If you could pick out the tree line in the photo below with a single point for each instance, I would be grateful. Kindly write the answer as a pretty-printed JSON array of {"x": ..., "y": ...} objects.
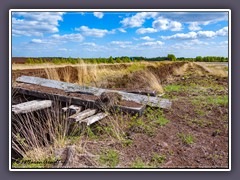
[{"x": 122, "y": 59}]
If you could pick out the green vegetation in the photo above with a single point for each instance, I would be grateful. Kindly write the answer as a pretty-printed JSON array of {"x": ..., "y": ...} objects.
[
  {"x": 186, "y": 138},
  {"x": 158, "y": 159},
  {"x": 211, "y": 100},
  {"x": 138, "y": 163},
  {"x": 122, "y": 59},
  {"x": 172, "y": 57},
  {"x": 109, "y": 158},
  {"x": 173, "y": 87}
]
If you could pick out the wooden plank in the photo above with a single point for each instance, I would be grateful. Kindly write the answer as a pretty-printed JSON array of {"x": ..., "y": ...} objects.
[
  {"x": 152, "y": 101},
  {"x": 143, "y": 92},
  {"x": 54, "y": 97},
  {"x": 130, "y": 110},
  {"x": 31, "y": 106},
  {"x": 82, "y": 115},
  {"x": 74, "y": 100},
  {"x": 92, "y": 119},
  {"x": 73, "y": 109}
]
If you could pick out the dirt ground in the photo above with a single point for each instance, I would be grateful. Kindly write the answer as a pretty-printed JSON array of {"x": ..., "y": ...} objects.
[{"x": 193, "y": 133}]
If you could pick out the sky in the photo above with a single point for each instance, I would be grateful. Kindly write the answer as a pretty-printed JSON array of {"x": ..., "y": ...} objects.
[{"x": 105, "y": 34}]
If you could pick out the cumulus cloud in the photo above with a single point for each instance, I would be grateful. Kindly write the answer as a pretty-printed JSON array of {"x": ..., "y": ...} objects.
[
  {"x": 86, "y": 31},
  {"x": 89, "y": 44},
  {"x": 199, "y": 34},
  {"x": 166, "y": 24},
  {"x": 161, "y": 24},
  {"x": 122, "y": 44},
  {"x": 36, "y": 41},
  {"x": 68, "y": 37},
  {"x": 194, "y": 26},
  {"x": 138, "y": 19},
  {"x": 156, "y": 43},
  {"x": 147, "y": 38},
  {"x": 98, "y": 15},
  {"x": 35, "y": 23},
  {"x": 122, "y": 30},
  {"x": 146, "y": 30}
]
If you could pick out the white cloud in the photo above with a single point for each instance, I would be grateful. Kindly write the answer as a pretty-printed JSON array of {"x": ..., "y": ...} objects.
[
  {"x": 63, "y": 49},
  {"x": 194, "y": 26},
  {"x": 36, "y": 41},
  {"x": 166, "y": 24},
  {"x": 68, "y": 37},
  {"x": 156, "y": 43},
  {"x": 35, "y": 23},
  {"x": 98, "y": 15},
  {"x": 146, "y": 30},
  {"x": 86, "y": 31},
  {"x": 147, "y": 38},
  {"x": 222, "y": 32},
  {"x": 122, "y": 30},
  {"x": 122, "y": 44},
  {"x": 199, "y": 34},
  {"x": 138, "y": 19},
  {"x": 89, "y": 44},
  {"x": 224, "y": 43}
]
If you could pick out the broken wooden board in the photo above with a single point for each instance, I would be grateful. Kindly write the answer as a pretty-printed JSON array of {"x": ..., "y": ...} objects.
[
  {"x": 82, "y": 115},
  {"x": 87, "y": 103},
  {"x": 92, "y": 119},
  {"x": 31, "y": 106},
  {"x": 147, "y": 100},
  {"x": 73, "y": 109},
  {"x": 56, "y": 97}
]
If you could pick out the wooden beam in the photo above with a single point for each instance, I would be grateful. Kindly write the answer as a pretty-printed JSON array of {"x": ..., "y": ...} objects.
[
  {"x": 73, "y": 109},
  {"x": 82, "y": 115},
  {"x": 152, "y": 101},
  {"x": 31, "y": 106},
  {"x": 92, "y": 119}
]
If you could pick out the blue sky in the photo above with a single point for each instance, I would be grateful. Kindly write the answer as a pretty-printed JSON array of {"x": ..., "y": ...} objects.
[{"x": 104, "y": 34}]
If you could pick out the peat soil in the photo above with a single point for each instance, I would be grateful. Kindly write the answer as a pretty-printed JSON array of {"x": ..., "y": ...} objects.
[{"x": 192, "y": 134}]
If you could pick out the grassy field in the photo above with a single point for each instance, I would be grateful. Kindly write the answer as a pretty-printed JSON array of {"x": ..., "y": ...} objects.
[{"x": 193, "y": 133}]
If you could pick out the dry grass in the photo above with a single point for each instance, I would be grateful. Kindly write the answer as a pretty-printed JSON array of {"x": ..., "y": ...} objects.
[
  {"x": 52, "y": 74},
  {"x": 35, "y": 134},
  {"x": 66, "y": 74},
  {"x": 152, "y": 81}
]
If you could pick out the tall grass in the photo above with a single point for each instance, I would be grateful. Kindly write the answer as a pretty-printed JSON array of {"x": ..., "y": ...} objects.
[
  {"x": 35, "y": 135},
  {"x": 52, "y": 74}
]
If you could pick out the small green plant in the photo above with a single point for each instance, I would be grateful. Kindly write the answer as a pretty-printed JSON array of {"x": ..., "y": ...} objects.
[
  {"x": 162, "y": 121},
  {"x": 127, "y": 142},
  {"x": 158, "y": 159},
  {"x": 172, "y": 87},
  {"x": 186, "y": 138},
  {"x": 109, "y": 158},
  {"x": 138, "y": 163}
]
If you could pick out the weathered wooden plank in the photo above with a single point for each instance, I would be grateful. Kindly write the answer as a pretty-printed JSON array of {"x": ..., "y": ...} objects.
[
  {"x": 152, "y": 101},
  {"x": 82, "y": 115},
  {"x": 92, "y": 119},
  {"x": 73, "y": 109},
  {"x": 143, "y": 92},
  {"x": 31, "y": 106},
  {"x": 130, "y": 110},
  {"x": 73, "y": 100},
  {"x": 54, "y": 97}
]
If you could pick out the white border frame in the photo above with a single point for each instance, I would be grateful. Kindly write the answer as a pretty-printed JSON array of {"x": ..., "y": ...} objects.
[{"x": 120, "y": 10}]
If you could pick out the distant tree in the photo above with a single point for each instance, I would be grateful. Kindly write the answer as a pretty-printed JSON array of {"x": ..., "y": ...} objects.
[
  {"x": 172, "y": 57},
  {"x": 110, "y": 60},
  {"x": 199, "y": 58}
]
